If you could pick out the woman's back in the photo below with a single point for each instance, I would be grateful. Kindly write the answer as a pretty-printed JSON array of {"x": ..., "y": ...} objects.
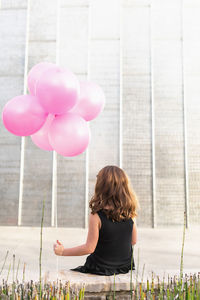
[
  {"x": 113, "y": 252},
  {"x": 111, "y": 245},
  {"x": 114, "y": 246}
]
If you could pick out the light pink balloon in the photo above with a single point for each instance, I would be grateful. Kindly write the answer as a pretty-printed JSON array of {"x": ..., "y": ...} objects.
[
  {"x": 40, "y": 138},
  {"x": 58, "y": 90},
  {"x": 23, "y": 115},
  {"x": 91, "y": 101},
  {"x": 35, "y": 74},
  {"x": 69, "y": 134}
]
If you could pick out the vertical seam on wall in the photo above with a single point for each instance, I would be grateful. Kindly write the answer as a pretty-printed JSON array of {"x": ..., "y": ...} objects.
[
  {"x": 87, "y": 150},
  {"x": 121, "y": 85},
  {"x": 184, "y": 123},
  {"x": 54, "y": 205},
  {"x": 21, "y": 180},
  {"x": 152, "y": 119}
]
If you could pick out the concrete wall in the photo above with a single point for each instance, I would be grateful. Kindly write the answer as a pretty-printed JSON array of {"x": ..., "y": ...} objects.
[{"x": 144, "y": 54}]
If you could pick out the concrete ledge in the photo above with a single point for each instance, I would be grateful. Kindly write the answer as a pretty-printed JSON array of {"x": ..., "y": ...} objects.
[
  {"x": 96, "y": 286},
  {"x": 93, "y": 283}
]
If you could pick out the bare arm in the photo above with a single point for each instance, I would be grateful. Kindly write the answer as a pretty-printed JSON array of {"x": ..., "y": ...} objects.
[
  {"x": 134, "y": 233},
  {"x": 88, "y": 247}
]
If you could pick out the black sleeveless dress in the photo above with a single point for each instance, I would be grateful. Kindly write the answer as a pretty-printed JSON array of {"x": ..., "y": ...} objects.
[{"x": 114, "y": 249}]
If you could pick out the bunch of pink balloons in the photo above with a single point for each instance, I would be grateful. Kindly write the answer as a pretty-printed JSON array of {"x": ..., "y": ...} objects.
[{"x": 56, "y": 112}]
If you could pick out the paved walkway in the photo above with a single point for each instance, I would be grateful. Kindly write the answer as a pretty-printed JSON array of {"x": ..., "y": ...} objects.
[{"x": 158, "y": 249}]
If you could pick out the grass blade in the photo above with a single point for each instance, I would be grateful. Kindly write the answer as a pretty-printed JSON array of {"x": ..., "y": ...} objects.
[
  {"x": 24, "y": 269},
  {"x": 183, "y": 242},
  {"x": 114, "y": 288},
  {"x": 8, "y": 272},
  {"x": 17, "y": 270},
  {"x": 13, "y": 268},
  {"x": 40, "y": 257},
  {"x": 2, "y": 268}
]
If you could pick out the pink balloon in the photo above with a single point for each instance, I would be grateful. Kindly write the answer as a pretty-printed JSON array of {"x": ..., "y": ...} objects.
[
  {"x": 91, "y": 101},
  {"x": 23, "y": 115},
  {"x": 40, "y": 138},
  {"x": 58, "y": 90},
  {"x": 69, "y": 134},
  {"x": 35, "y": 74}
]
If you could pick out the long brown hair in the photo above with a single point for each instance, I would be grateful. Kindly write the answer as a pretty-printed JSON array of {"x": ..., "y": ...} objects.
[{"x": 113, "y": 189}]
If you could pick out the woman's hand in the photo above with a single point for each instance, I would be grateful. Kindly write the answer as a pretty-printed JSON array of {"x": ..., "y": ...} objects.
[
  {"x": 89, "y": 246},
  {"x": 58, "y": 248}
]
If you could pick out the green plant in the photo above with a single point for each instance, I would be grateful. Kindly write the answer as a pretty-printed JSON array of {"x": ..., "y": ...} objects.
[
  {"x": 183, "y": 242},
  {"x": 114, "y": 288},
  {"x": 17, "y": 270},
  {"x": 2, "y": 268},
  {"x": 40, "y": 257},
  {"x": 13, "y": 268},
  {"x": 24, "y": 269},
  {"x": 8, "y": 272}
]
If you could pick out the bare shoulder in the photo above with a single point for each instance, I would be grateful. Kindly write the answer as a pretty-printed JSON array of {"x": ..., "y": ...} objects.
[
  {"x": 134, "y": 221},
  {"x": 94, "y": 217},
  {"x": 95, "y": 220}
]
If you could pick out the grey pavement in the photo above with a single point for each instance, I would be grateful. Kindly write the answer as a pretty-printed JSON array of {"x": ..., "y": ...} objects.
[{"x": 159, "y": 249}]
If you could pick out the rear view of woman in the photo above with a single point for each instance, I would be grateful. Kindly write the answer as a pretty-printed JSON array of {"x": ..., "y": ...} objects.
[{"x": 112, "y": 230}]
